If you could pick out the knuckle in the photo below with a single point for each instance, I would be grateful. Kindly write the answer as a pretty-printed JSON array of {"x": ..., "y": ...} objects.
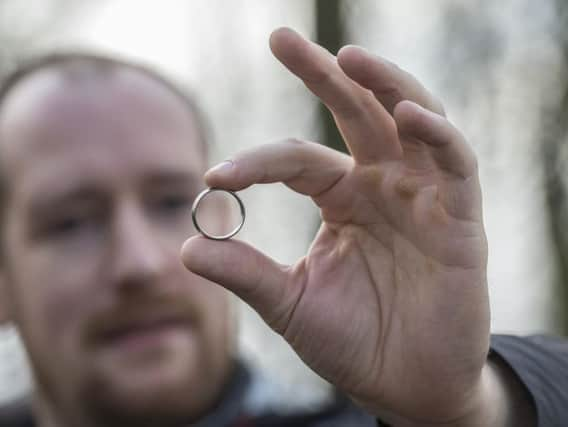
[{"x": 296, "y": 142}]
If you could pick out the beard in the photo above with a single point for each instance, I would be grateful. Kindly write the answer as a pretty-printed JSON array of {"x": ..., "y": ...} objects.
[
  {"x": 173, "y": 385},
  {"x": 113, "y": 398},
  {"x": 107, "y": 409},
  {"x": 170, "y": 385},
  {"x": 99, "y": 398}
]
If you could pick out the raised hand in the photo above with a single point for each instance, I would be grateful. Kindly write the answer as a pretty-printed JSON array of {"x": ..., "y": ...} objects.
[{"x": 390, "y": 303}]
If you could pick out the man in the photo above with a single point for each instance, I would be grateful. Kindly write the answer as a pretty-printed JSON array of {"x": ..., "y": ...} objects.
[{"x": 100, "y": 163}]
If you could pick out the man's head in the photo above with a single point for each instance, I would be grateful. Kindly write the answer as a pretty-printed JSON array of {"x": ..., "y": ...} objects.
[{"x": 99, "y": 163}]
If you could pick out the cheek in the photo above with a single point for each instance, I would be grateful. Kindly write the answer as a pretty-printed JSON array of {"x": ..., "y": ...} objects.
[
  {"x": 221, "y": 337},
  {"x": 217, "y": 311},
  {"x": 52, "y": 298}
]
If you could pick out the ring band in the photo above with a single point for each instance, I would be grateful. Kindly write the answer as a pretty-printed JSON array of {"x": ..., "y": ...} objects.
[{"x": 195, "y": 206}]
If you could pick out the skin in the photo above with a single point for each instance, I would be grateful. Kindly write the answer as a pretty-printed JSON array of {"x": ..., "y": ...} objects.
[
  {"x": 101, "y": 172},
  {"x": 390, "y": 304}
]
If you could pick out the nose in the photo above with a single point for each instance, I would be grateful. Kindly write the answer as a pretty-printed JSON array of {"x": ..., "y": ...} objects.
[{"x": 137, "y": 256}]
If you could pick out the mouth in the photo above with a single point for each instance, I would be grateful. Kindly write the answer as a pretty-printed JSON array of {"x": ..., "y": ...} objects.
[{"x": 144, "y": 333}]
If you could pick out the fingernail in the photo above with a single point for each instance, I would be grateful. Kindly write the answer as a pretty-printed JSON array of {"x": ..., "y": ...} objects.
[
  {"x": 221, "y": 168},
  {"x": 354, "y": 47},
  {"x": 359, "y": 48}
]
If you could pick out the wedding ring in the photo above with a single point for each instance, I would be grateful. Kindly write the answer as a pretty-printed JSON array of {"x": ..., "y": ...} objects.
[{"x": 195, "y": 207}]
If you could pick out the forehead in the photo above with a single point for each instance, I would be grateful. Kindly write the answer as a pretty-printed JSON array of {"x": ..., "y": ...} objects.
[{"x": 57, "y": 126}]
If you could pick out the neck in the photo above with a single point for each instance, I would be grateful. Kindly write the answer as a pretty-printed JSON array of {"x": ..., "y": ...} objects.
[
  {"x": 47, "y": 415},
  {"x": 44, "y": 412}
]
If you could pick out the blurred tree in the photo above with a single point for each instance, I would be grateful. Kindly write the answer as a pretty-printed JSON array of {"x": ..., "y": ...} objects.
[
  {"x": 554, "y": 155},
  {"x": 330, "y": 34}
]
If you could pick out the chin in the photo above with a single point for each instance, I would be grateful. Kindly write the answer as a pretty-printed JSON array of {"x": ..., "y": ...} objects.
[{"x": 175, "y": 388}]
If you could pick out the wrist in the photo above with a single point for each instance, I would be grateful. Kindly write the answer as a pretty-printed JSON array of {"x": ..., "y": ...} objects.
[
  {"x": 499, "y": 400},
  {"x": 513, "y": 404}
]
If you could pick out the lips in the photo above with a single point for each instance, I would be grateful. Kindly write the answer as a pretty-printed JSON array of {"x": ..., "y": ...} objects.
[
  {"x": 139, "y": 332},
  {"x": 143, "y": 327}
]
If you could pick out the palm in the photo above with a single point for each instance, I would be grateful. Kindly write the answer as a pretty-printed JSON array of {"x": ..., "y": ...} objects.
[{"x": 370, "y": 265}]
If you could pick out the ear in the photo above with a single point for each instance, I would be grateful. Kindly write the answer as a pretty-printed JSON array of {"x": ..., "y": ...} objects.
[{"x": 5, "y": 316}]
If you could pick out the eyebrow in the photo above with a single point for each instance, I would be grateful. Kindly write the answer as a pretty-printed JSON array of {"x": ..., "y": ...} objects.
[
  {"x": 51, "y": 202},
  {"x": 191, "y": 179}
]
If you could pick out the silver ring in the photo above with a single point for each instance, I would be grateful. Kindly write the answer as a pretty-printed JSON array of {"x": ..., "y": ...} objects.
[{"x": 195, "y": 206}]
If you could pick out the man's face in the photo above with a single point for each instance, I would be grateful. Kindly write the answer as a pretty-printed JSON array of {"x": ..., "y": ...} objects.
[{"x": 101, "y": 172}]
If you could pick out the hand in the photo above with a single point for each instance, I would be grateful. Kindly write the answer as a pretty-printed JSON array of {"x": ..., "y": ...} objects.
[{"x": 390, "y": 304}]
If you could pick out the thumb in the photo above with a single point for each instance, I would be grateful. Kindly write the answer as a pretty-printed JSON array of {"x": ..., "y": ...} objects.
[{"x": 268, "y": 287}]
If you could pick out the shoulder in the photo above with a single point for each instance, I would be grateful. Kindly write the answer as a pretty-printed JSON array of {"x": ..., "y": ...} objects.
[{"x": 541, "y": 364}]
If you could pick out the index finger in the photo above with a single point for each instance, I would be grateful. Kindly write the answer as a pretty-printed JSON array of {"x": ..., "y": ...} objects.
[{"x": 367, "y": 128}]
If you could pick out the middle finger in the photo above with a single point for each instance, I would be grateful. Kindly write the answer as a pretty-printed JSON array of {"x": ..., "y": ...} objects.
[{"x": 367, "y": 128}]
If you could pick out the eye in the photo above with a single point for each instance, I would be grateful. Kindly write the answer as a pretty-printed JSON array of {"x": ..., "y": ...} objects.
[
  {"x": 68, "y": 226},
  {"x": 173, "y": 203}
]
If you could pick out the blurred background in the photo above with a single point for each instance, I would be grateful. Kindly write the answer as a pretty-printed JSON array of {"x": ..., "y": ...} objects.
[{"x": 500, "y": 69}]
